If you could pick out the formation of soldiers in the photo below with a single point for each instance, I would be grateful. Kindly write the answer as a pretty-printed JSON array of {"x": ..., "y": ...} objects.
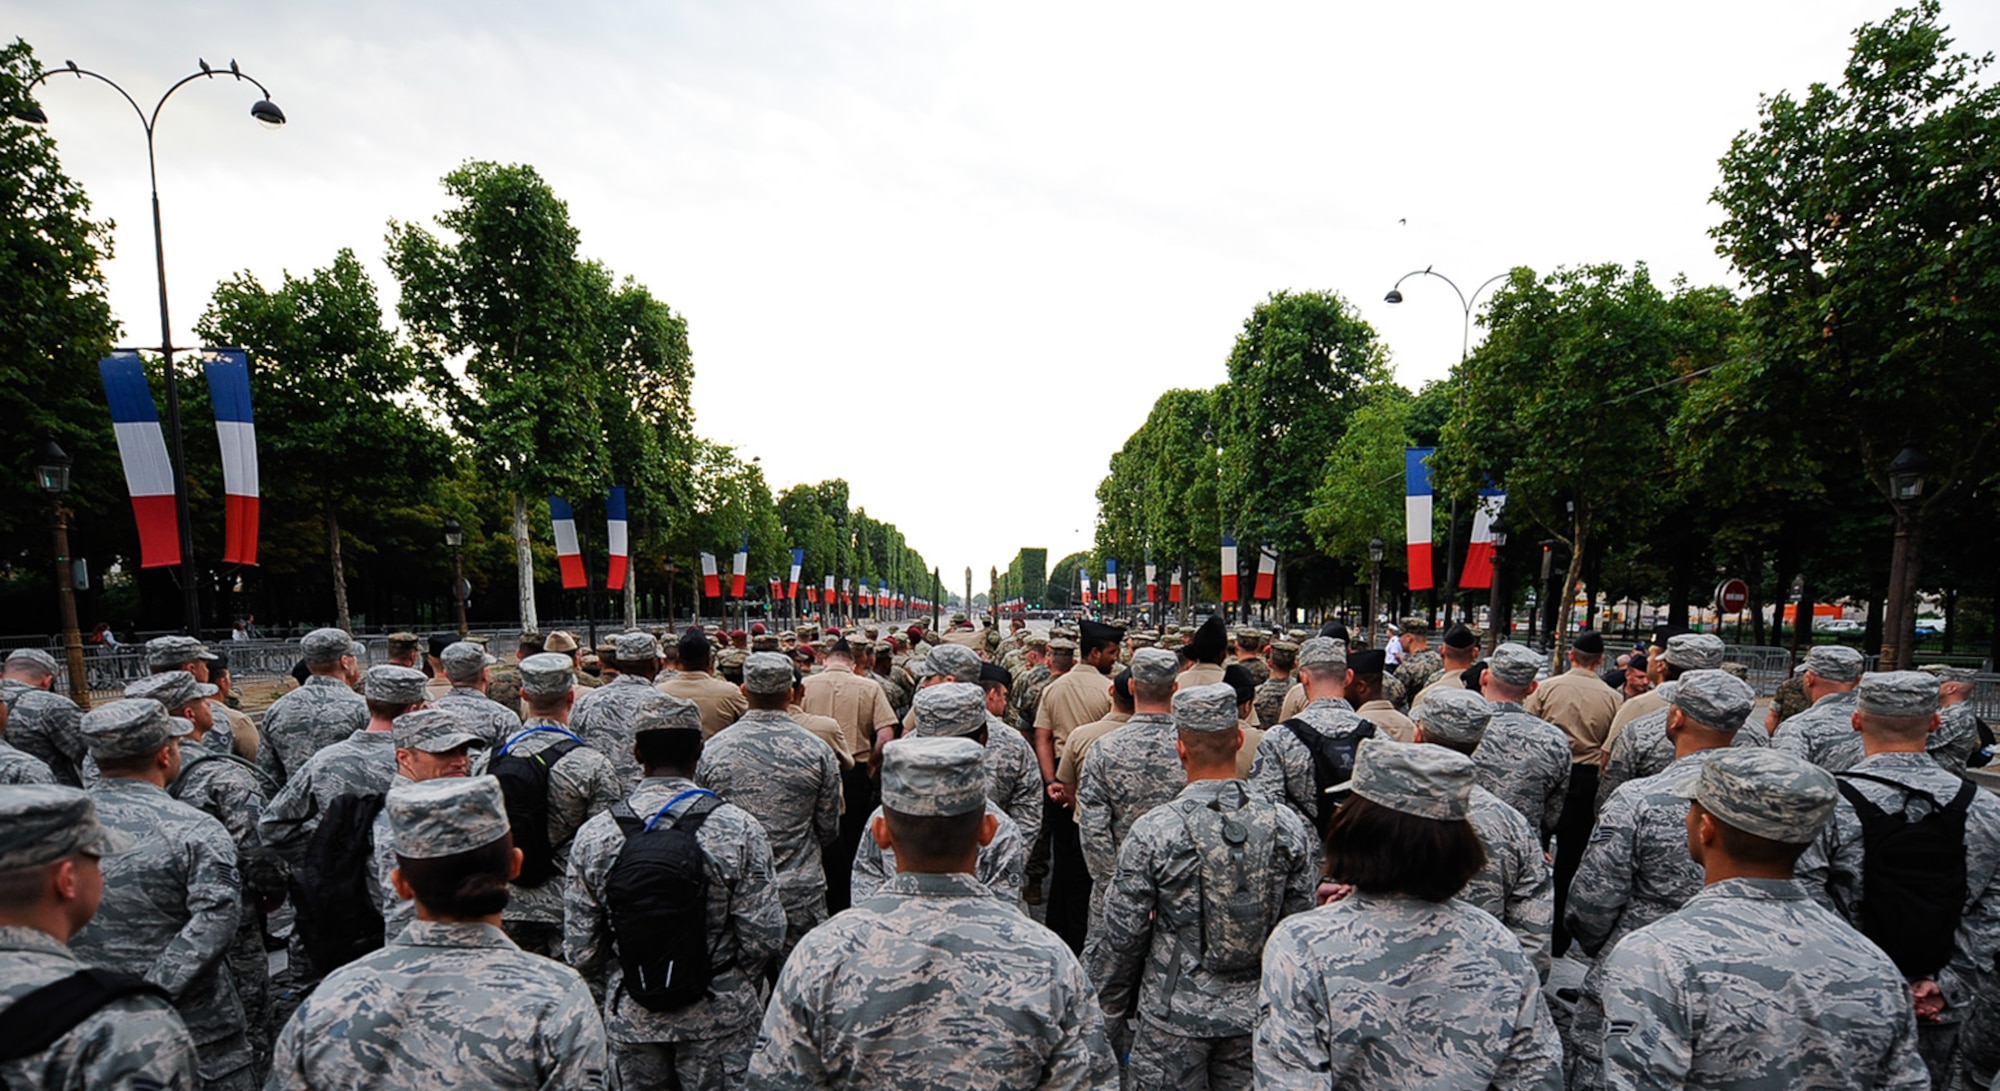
[{"x": 807, "y": 859}]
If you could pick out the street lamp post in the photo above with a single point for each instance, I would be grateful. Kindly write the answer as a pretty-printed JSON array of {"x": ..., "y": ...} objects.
[
  {"x": 52, "y": 474},
  {"x": 1499, "y": 615},
  {"x": 454, "y": 536},
  {"x": 1906, "y": 488},
  {"x": 1375, "y": 551},
  {"x": 1466, "y": 304},
  {"x": 267, "y": 113}
]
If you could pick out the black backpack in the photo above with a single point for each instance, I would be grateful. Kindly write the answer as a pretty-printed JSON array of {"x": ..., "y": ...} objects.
[
  {"x": 657, "y": 896},
  {"x": 1913, "y": 883},
  {"x": 39, "y": 1019},
  {"x": 1333, "y": 759},
  {"x": 336, "y": 919},
  {"x": 524, "y": 781}
]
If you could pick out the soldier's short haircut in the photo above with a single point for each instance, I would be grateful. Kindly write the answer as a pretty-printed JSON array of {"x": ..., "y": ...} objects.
[
  {"x": 933, "y": 840},
  {"x": 668, "y": 749},
  {"x": 1151, "y": 692},
  {"x": 545, "y": 702},
  {"x": 465, "y": 884},
  {"x": 1383, "y": 851},
  {"x": 1284, "y": 659},
  {"x": 1901, "y": 728},
  {"x": 1326, "y": 674},
  {"x": 1212, "y": 747},
  {"x": 21, "y": 888},
  {"x": 695, "y": 655},
  {"x": 388, "y": 710},
  {"x": 770, "y": 702},
  {"x": 670, "y": 657},
  {"x": 1749, "y": 848},
  {"x": 136, "y": 763},
  {"x": 1121, "y": 691}
]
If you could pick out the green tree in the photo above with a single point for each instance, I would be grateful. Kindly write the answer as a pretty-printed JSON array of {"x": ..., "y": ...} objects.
[
  {"x": 648, "y": 417},
  {"x": 1360, "y": 491}
]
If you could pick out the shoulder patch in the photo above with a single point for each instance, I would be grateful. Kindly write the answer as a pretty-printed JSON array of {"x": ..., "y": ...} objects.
[{"x": 1619, "y": 1028}]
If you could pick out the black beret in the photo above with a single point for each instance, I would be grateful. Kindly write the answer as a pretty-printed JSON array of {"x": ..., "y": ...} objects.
[
  {"x": 1460, "y": 637},
  {"x": 994, "y": 672},
  {"x": 1368, "y": 661},
  {"x": 1238, "y": 679},
  {"x": 440, "y": 641},
  {"x": 1336, "y": 630},
  {"x": 1121, "y": 684},
  {"x": 1096, "y": 632},
  {"x": 1589, "y": 642}
]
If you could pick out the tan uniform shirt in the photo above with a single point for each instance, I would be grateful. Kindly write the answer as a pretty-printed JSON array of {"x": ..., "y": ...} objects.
[
  {"x": 1295, "y": 702},
  {"x": 1388, "y": 721},
  {"x": 1450, "y": 679},
  {"x": 1632, "y": 709},
  {"x": 1077, "y": 698},
  {"x": 1200, "y": 674},
  {"x": 1247, "y": 756},
  {"x": 857, "y": 704},
  {"x": 721, "y": 703},
  {"x": 1583, "y": 706},
  {"x": 827, "y": 728},
  {"x": 436, "y": 688},
  {"x": 1069, "y": 764}
]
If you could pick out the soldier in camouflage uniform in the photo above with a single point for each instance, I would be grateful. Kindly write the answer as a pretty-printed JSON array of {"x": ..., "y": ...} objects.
[
  {"x": 42, "y": 723},
  {"x": 1200, "y": 882},
  {"x": 1132, "y": 770},
  {"x": 185, "y": 653},
  {"x": 582, "y": 783},
  {"x": 1957, "y": 737},
  {"x": 1514, "y": 885},
  {"x": 1332, "y": 976},
  {"x": 896, "y": 683},
  {"x": 1031, "y": 679},
  {"x": 1271, "y": 692},
  {"x": 504, "y": 684},
  {"x": 1643, "y": 748},
  {"x": 469, "y": 670},
  {"x": 1420, "y": 665},
  {"x": 451, "y": 1000},
  {"x": 51, "y": 879},
  {"x": 932, "y": 981},
  {"x": 706, "y": 1045},
  {"x": 788, "y": 780},
  {"x": 316, "y": 715},
  {"x": 18, "y": 766},
  {"x": 171, "y": 905},
  {"x": 947, "y": 708},
  {"x": 1013, "y": 777},
  {"x": 360, "y": 765},
  {"x": 1524, "y": 759},
  {"x": 1249, "y": 655},
  {"x": 430, "y": 743},
  {"x": 1706, "y": 998},
  {"x": 1824, "y": 733},
  {"x": 1636, "y": 868},
  {"x": 1284, "y": 769},
  {"x": 603, "y": 718},
  {"x": 1788, "y": 700}
]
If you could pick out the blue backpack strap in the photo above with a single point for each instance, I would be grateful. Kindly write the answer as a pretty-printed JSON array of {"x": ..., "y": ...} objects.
[
  {"x": 662, "y": 812},
  {"x": 509, "y": 744}
]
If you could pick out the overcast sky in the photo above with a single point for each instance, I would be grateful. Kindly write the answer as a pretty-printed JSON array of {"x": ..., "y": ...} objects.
[{"x": 951, "y": 251}]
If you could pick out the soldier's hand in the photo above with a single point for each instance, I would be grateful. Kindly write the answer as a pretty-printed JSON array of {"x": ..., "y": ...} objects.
[
  {"x": 1928, "y": 999},
  {"x": 1059, "y": 792},
  {"x": 1330, "y": 892}
]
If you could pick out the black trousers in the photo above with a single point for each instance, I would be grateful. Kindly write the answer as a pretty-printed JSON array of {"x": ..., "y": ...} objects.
[
  {"x": 1579, "y": 815},
  {"x": 858, "y": 793},
  {"x": 1068, "y": 903}
]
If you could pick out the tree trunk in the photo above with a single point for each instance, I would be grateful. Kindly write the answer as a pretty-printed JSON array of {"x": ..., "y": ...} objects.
[
  {"x": 1756, "y": 582},
  {"x": 1950, "y": 618},
  {"x": 524, "y": 560},
  {"x": 1278, "y": 599},
  {"x": 631, "y": 595},
  {"x": 341, "y": 617},
  {"x": 1559, "y": 630},
  {"x": 1802, "y": 619}
]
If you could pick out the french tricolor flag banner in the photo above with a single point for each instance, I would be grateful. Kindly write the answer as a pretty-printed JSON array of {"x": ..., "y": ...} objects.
[
  {"x": 847, "y": 590},
  {"x": 236, "y": 435},
  {"x": 1174, "y": 586},
  {"x": 711, "y": 580},
  {"x": 826, "y": 596},
  {"x": 1111, "y": 580},
  {"x": 1417, "y": 514},
  {"x": 1084, "y": 577},
  {"x": 882, "y": 594},
  {"x": 615, "y": 537},
  {"x": 777, "y": 589},
  {"x": 798, "y": 562},
  {"x": 1267, "y": 573},
  {"x": 739, "y": 571},
  {"x": 1479, "y": 555},
  {"x": 812, "y": 594},
  {"x": 1152, "y": 582},
  {"x": 568, "y": 557},
  {"x": 1229, "y": 569},
  {"x": 149, "y": 474}
]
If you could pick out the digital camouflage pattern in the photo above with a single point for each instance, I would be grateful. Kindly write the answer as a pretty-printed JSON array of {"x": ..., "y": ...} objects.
[
  {"x": 134, "y": 1042},
  {"x": 1130, "y": 771},
  {"x": 1790, "y": 698},
  {"x": 582, "y": 785},
  {"x": 1269, "y": 701},
  {"x": 1516, "y": 885},
  {"x": 1419, "y": 670},
  {"x": 1524, "y": 760},
  {"x": 232, "y": 791},
  {"x": 1003, "y": 861},
  {"x": 396, "y": 911},
  {"x": 361, "y": 764},
  {"x": 1336, "y": 1001},
  {"x": 930, "y": 979},
  {"x": 299, "y": 724},
  {"x": 1013, "y": 777},
  {"x": 1751, "y": 985},
  {"x": 444, "y": 1005},
  {"x": 1956, "y": 738},
  {"x": 604, "y": 719},
  {"x": 481, "y": 715},
  {"x": 1643, "y": 749},
  {"x": 1823, "y": 734},
  {"x": 47, "y": 726},
  {"x": 17, "y": 766},
  {"x": 790, "y": 782}
]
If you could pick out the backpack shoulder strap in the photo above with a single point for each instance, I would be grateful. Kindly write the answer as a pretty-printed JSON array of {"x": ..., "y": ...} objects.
[
  {"x": 1863, "y": 806},
  {"x": 628, "y": 820},
  {"x": 1896, "y": 784},
  {"x": 38, "y": 1020},
  {"x": 1962, "y": 802},
  {"x": 697, "y": 813}
]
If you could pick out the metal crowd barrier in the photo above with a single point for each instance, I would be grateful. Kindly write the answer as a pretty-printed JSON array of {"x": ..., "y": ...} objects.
[{"x": 1768, "y": 665}]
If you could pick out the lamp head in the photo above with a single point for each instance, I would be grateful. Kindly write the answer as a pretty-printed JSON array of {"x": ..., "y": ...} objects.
[
  {"x": 32, "y": 114},
  {"x": 454, "y": 532},
  {"x": 1395, "y": 296},
  {"x": 267, "y": 113},
  {"x": 52, "y": 468}
]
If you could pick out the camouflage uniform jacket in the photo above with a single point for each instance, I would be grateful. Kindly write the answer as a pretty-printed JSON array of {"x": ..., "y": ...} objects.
[
  {"x": 1284, "y": 769},
  {"x": 1335, "y": 999},
  {"x": 234, "y": 793},
  {"x": 603, "y": 719},
  {"x": 1027, "y": 691},
  {"x": 48, "y": 726},
  {"x": 1515, "y": 885},
  {"x": 1643, "y": 749},
  {"x": 480, "y": 713},
  {"x": 1823, "y": 734},
  {"x": 1956, "y": 739},
  {"x": 790, "y": 781},
  {"x": 1831, "y": 867},
  {"x": 133, "y": 1042},
  {"x": 1790, "y": 698},
  {"x": 1260, "y": 671},
  {"x": 1130, "y": 771},
  {"x": 444, "y": 1005},
  {"x": 1525, "y": 761},
  {"x": 581, "y": 785},
  {"x": 1636, "y": 868},
  {"x": 1751, "y": 985},
  {"x": 305, "y": 721},
  {"x": 1164, "y": 948},
  {"x": 928, "y": 981},
  {"x": 397, "y": 911},
  {"x": 900, "y": 694},
  {"x": 1419, "y": 670},
  {"x": 504, "y": 686},
  {"x": 17, "y": 766},
  {"x": 746, "y": 925},
  {"x": 1002, "y": 866},
  {"x": 1013, "y": 777},
  {"x": 170, "y": 909},
  {"x": 361, "y": 764},
  {"x": 1269, "y": 701}
]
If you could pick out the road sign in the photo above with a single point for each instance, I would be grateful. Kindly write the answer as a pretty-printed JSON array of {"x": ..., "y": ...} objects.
[{"x": 1732, "y": 596}]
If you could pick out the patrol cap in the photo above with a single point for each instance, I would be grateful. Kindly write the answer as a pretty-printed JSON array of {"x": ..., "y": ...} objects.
[
  {"x": 129, "y": 728},
  {"x": 1368, "y": 661},
  {"x": 933, "y": 777},
  {"x": 1062, "y": 645},
  {"x": 664, "y": 712},
  {"x": 431, "y": 730},
  {"x": 1249, "y": 639},
  {"x": 1335, "y": 630},
  {"x": 1323, "y": 653},
  {"x": 1459, "y": 637},
  {"x": 447, "y": 816},
  {"x": 43, "y": 823},
  {"x": 394, "y": 685},
  {"x": 1515, "y": 664},
  {"x": 1715, "y": 699},
  {"x": 175, "y": 690},
  {"x": 1765, "y": 792},
  {"x": 438, "y": 643},
  {"x": 1453, "y": 715},
  {"x": 1694, "y": 651},
  {"x": 562, "y": 640},
  {"x": 323, "y": 646},
  {"x": 1205, "y": 708},
  {"x": 1835, "y": 662},
  {"x": 1140, "y": 639},
  {"x": 174, "y": 651},
  {"x": 1897, "y": 693},
  {"x": 547, "y": 674},
  {"x": 403, "y": 642},
  {"x": 38, "y": 657},
  {"x": 464, "y": 660},
  {"x": 1948, "y": 673},
  {"x": 767, "y": 673},
  {"x": 635, "y": 647},
  {"x": 1286, "y": 647},
  {"x": 1416, "y": 626},
  {"x": 1425, "y": 781},
  {"x": 1154, "y": 666},
  {"x": 763, "y": 642},
  {"x": 949, "y": 709},
  {"x": 955, "y": 661}
]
